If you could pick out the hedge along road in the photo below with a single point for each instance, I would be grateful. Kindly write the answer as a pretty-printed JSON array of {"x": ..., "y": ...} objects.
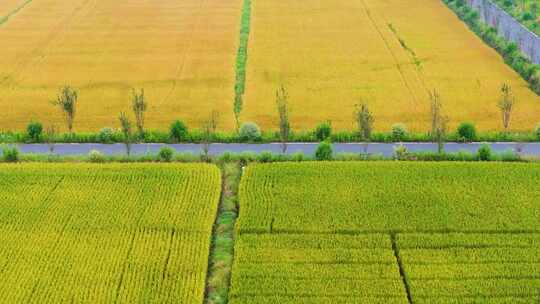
[{"x": 386, "y": 149}]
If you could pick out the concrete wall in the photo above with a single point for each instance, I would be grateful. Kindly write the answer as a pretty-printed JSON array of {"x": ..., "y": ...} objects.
[{"x": 508, "y": 27}]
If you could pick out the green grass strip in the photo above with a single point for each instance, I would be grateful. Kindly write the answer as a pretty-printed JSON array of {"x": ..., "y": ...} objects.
[
  {"x": 15, "y": 11},
  {"x": 241, "y": 59},
  {"x": 222, "y": 250}
]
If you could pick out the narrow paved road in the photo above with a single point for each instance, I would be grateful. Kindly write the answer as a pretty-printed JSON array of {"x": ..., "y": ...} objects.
[{"x": 386, "y": 149}]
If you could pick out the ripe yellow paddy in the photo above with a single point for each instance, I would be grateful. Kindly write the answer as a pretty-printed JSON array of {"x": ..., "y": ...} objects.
[
  {"x": 181, "y": 52},
  {"x": 332, "y": 55}
]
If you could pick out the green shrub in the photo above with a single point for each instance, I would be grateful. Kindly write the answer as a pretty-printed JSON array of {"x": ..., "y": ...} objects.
[
  {"x": 484, "y": 153},
  {"x": 534, "y": 81},
  {"x": 537, "y": 132},
  {"x": 249, "y": 131},
  {"x": 96, "y": 156},
  {"x": 401, "y": 152},
  {"x": 324, "y": 151},
  {"x": 323, "y": 131},
  {"x": 166, "y": 154},
  {"x": 509, "y": 156},
  {"x": 106, "y": 135},
  {"x": 10, "y": 154},
  {"x": 34, "y": 130},
  {"x": 247, "y": 157},
  {"x": 178, "y": 131},
  {"x": 265, "y": 157},
  {"x": 298, "y": 156},
  {"x": 225, "y": 157},
  {"x": 399, "y": 132},
  {"x": 466, "y": 132}
]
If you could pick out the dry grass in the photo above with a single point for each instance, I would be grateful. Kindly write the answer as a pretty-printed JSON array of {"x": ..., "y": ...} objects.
[
  {"x": 333, "y": 54},
  {"x": 181, "y": 52}
]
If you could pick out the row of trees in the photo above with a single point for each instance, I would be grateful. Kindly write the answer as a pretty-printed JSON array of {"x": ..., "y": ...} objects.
[
  {"x": 67, "y": 100},
  {"x": 364, "y": 118}
]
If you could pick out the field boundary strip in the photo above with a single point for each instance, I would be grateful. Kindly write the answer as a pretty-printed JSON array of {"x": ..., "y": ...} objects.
[
  {"x": 271, "y": 230},
  {"x": 6, "y": 18},
  {"x": 221, "y": 255},
  {"x": 241, "y": 59},
  {"x": 401, "y": 267}
]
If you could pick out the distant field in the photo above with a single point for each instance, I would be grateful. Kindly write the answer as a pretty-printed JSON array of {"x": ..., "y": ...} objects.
[
  {"x": 361, "y": 232},
  {"x": 181, "y": 52},
  {"x": 105, "y": 234},
  {"x": 334, "y": 54}
]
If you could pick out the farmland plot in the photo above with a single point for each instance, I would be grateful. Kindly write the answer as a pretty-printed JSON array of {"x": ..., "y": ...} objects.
[
  {"x": 428, "y": 232},
  {"x": 181, "y": 52},
  {"x": 315, "y": 269},
  {"x": 381, "y": 196},
  {"x": 332, "y": 55},
  {"x": 126, "y": 233}
]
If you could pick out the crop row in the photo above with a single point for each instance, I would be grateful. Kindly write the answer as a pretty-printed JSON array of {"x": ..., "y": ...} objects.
[
  {"x": 383, "y": 197},
  {"x": 107, "y": 233}
]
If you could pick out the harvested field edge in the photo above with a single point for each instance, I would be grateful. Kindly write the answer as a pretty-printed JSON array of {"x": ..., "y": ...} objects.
[
  {"x": 221, "y": 254},
  {"x": 5, "y": 18},
  {"x": 241, "y": 60},
  {"x": 508, "y": 50}
]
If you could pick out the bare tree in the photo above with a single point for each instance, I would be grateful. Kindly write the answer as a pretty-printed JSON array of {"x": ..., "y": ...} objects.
[
  {"x": 67, "y": 101},
  {"x": 364, "y": 120},
  {"x": 125, "y": 126},
  {"x": 209, "y": 128},
  {"x": 282, "y": 101},
  {"x": 439, "y": 122},
  {"x": 506, "y": 104},
  {"x": 139, "y": 106},
  {"x": 50, "y": 135}
]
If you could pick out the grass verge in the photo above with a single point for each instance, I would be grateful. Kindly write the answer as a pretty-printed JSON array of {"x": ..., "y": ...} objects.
[
  {"x": 222, "y": 248},
  {"x": 241, "y": 59}
]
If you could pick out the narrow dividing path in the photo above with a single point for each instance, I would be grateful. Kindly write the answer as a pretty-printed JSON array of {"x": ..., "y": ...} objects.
[
  {"x": 4, "y": 19},
  {"x": 221, "y": 254}
]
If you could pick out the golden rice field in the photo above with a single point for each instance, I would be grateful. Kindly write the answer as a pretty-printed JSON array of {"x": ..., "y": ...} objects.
[
  {"x": 113, "y": 233},
  {"x": 334, "y": 54},
  {"x": 331, "y": 55},
  {"x": 181, "y": 52}
]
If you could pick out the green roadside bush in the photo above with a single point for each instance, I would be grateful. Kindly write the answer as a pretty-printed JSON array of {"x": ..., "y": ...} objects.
[
  {"x": 10, "y": 154},
  {"x": 266, "y": 157},
  {"x": 96, "y": 156},
  {"x": 401, "y": 153},
  {"x": 178, "y": 131},
  {"x": 34, "y": 131},
  {"x": 106, "y": 135},
  {"x": 166, "y": 154},
  {"x": 466, "y": 132},
  {"x": 399, "y": 132},
  {"x": 323, "y": 131},
  {"x": 250, "y": 131},
  {"x": 325, "y": 151},
  {"x": 484, "y": 153},
  {"x": 298, "y": 157}
]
